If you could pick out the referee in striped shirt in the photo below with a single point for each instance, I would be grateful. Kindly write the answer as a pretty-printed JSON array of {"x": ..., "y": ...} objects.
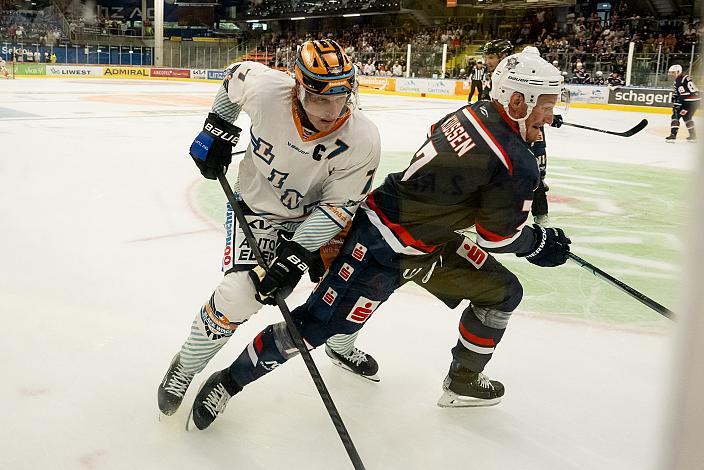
[{"x": 477, "y": 76}]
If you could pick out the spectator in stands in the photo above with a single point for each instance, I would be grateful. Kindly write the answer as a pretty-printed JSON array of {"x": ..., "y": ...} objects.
[
  {"x": 397, "y": 69},
  {"x": 615, "y": 79},
  {"x": 598, "y": 78},
  {"x": 580, "y": 76}
]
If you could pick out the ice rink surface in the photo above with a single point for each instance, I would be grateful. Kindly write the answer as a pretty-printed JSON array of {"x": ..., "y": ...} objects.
[{"x": 108, "y": 250}]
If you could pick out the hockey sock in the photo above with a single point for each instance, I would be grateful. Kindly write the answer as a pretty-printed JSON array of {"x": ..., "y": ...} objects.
[
  {"x": 690, "y": 128},
  {"x": 342, "y": 344},
  {"x": 207, "y": 337},
  {"x": 260, "y": 357},
  {"x": 477, "y": 341}
]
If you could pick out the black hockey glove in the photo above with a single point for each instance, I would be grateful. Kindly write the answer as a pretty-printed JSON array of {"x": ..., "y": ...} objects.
[
  {"x": 212, "y": 148},
  {"x": 317, "y": 267},
  {"x": 285, "y": 271},
  {"x": 550, "y": 249},
  {"x": 557, "y": 120}
]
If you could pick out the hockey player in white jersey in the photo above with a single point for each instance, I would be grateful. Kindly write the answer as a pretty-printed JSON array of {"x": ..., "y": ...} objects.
[{"x": 309, "y": 165}]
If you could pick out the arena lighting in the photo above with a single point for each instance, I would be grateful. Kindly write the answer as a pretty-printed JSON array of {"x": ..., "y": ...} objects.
[
  {"x": 298, "y": 18},
  {"x": 350, "y": 15},
  {"x": 252, "y": 21}
]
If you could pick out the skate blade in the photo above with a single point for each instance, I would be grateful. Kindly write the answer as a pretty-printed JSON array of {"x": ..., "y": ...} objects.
[
  {"x": 189, "y": 421},
  {"x": 190, "y": 424},
  {"x": 450, "y": 399},
  {"x": 670, "y": 141},
  {"x": 371, "y": 378}
]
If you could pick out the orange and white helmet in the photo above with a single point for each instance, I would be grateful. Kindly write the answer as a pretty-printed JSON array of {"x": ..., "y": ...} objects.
[{"x": 323, "y": 68}]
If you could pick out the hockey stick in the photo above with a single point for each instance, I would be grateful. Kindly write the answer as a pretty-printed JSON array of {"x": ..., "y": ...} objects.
[
  {"x": 624, "y": 287},
  {"x": 295, "y": 334},
  {"x": 634, "y": 130}
]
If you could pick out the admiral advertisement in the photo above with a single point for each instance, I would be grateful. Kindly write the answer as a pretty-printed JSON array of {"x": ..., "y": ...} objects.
[
  {"x": 589, "y": 94},
  {"x": 125, "y": 72},
  {"x": 170, "y": 73},
  {"x": 661, "y": 98},
  {"x": 71, "y": 71}
]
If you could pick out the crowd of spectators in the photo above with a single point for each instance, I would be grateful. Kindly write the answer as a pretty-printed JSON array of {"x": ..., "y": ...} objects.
[
  {"x": 377, "y": 51},
  {"x": 42, "y": 26},
  {"x": 598, "y": 43},
  {"x": 286, "y": 8},
  {"x": 602, "y": 41}
]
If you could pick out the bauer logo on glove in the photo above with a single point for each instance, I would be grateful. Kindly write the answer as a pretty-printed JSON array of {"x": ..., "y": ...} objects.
[
  {"x": 212, "y": 148},
  {"x": 226, "y": 136}
]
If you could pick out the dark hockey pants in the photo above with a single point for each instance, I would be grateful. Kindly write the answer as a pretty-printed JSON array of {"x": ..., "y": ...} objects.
[
  {"x": 367, "y": 272},
  {"x": 687, "y": 118}
]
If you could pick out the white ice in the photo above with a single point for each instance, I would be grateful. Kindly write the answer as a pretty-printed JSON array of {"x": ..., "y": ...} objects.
[{"x": 104, "y": 261}]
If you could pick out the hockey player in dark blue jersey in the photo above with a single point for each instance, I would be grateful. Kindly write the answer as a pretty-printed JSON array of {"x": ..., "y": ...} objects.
[
  {"x": 475, "y": 169},
  {"x": 685, "y": 101}
]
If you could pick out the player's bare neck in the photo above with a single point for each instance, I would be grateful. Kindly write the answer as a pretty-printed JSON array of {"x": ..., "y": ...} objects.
[{"x": 502, "y": 112}]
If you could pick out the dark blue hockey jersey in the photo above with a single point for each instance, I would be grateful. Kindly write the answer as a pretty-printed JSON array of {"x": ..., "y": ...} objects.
[
  {"x": 474, "y": 170},
  {"x": 684, "y": 90}
]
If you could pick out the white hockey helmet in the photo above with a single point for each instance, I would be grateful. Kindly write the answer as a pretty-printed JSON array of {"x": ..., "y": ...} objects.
[
  {"x": 676, "y": 69},
  {"x": 599, "y": 73},
  {"x": 526, "y": 73}
]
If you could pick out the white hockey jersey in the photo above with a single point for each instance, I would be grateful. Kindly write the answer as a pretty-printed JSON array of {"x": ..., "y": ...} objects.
[{"x": 286, "y": 173}]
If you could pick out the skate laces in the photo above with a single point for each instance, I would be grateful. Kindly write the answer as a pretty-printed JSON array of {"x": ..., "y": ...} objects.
[
  {"x": 217, "y": 399},
  {"x": 178, "y": 382},
  {"x": 484, "y": 381},
  {"x": 356, "y": 356}
]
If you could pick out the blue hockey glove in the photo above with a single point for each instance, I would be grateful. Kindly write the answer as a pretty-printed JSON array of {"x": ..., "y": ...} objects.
[
  {"x": 212, "y": 148},
  {"x": 550, "y": 249}
]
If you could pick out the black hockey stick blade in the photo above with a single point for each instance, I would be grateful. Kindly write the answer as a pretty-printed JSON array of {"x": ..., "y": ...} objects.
[
  {"x": 645, "y": 300},
  {"x": 295, "y": 334},
  {"x": 634, "y": 130}
]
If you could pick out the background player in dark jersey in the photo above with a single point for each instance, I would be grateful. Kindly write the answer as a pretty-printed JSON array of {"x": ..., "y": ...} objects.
[
  {"x": 475, "y": 169},
  {"x": 685, "y": 101},
  {"x": 493, "y": 52}
]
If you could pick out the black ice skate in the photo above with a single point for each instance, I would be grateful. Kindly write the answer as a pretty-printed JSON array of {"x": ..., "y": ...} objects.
[
  {"x": 671, "y": 138},
  {"x": 357, "y": 362},
  {"x": 212, "y": 399},
  {"x": 463, "y": 387},
  {"x": 173, "y": 387}
]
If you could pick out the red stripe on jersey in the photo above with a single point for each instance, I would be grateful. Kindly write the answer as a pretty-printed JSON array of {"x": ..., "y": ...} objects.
[
  {"x": 476, "y": 339},
  {"x": 511, "y": 123},
  {"x": 400, "y": 232},
  {"x": 258, "y": 343},
  {"x": 487, "y": 235}
]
